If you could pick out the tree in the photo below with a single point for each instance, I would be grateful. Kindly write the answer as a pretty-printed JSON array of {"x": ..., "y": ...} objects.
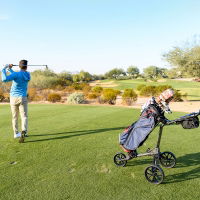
[
  {"x": 185, "y": 60},
  {"x": 151, "y": 72},
  {"x": 133, "y": 71},
  {"x": 115, "y": 73},
  {"x": 65, "y": 75},
  {"x": 85, "y": 76},
  {"x": 172, "y": 73},
  {"x": 75, "y": 78}
]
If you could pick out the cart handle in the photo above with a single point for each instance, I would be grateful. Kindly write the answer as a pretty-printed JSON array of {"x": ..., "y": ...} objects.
[{"x": 179, "y": 120}]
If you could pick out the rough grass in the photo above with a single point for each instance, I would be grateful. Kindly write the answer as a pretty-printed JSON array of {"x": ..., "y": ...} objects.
[
  {"x": 69, "y": 155},
  {"x": 190, "y": 87}
]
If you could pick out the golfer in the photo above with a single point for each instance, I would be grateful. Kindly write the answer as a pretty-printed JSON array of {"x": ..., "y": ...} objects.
[{"x": 18, "y": 96}]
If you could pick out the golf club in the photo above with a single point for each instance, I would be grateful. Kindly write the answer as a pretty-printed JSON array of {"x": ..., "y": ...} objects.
[{"x": 46, "y": 66}]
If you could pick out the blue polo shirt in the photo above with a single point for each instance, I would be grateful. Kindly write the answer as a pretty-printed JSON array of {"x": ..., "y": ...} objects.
[{"x": 19, "y": 82}]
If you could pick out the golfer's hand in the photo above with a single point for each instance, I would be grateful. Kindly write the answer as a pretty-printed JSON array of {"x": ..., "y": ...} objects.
[{"x": 10, "y": 66}]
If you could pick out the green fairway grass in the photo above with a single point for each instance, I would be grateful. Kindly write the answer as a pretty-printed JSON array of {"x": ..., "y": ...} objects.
[
  {"x": 69, "y": 155},
  {"x": 190, "y": 87}
]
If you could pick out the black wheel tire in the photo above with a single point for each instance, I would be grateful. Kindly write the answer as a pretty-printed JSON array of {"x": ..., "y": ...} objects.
[
  {"x": 167, "y": 159},
  {"x": 154, "y": 174},
  {"x": 119, "y": 159}
]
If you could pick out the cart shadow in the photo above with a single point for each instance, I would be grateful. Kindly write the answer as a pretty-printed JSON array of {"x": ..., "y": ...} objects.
[
  {"x": 68, "y": 134},
  {"x": 187, "y": 160},
  {"x": 139, "y": 161}
]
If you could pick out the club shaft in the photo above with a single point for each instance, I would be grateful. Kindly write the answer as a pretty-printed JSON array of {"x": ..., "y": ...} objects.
[{"x": 31, "y": 65}]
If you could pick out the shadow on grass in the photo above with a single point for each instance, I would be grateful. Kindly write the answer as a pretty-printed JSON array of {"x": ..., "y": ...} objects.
[
  {"x": 187, "y": 160},
  {"x": 140, "y": 161},
  {"x": 77, "y": 133}
]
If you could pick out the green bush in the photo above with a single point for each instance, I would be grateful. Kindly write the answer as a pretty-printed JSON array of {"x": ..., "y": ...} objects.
[
  {"x": 54, "y": 97},
  {"x": 178, "y": 96},
  {"x": 76, "y": 98},
  {"x": 129, "y": 96},
  {"x": 139, "y": 87},
  {"x": 80, "y": 86},
  {"x": 157, "y": 90},
  {"x": 109, "y": 95},
  {"x": 97, "y": 89},
  {"x": 76, "y": 86},
  {"x": 43, "y": 82},
  {"x": 161, "y": 88},
  {"x": 148, "y": 91},
  {"x": 92, "y": 96},
  {"x": 43, "y": 79}
]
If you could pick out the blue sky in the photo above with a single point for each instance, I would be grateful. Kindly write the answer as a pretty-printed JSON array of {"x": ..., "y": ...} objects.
[{"x": 95, "y": 35}]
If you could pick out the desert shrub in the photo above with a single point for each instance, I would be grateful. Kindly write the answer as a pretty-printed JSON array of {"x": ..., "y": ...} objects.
[
  {"x": 64, "y": 79},
  {"x": 118, "y": 92},
  {"x": 2, "y": 97},
  {"x": 139, "y": 87},
  {"x": 38, "y": 98},
  {"x": 76, "y": 98},
  {"x": 43, "y": 82},
  {"x": 69, "y": 89},
  {"x": 83, "y": 85},
  {"x": 76, "y": 86},
  {"x": 86, "y": 89},
  {"x": 5, "y": 87},
  {"x": 184, "y": 96},
  {"x": 178, "y": 96},
  {"x": 97, "y": 89},
  {"x": 92, "y": 96},
  {"x": 44, "y": 93},
  {"x": 129, "y": 96},
  {"x": 79, "y": 86},
  {"x": 109, "y": 95},
  {"x": 54, "y": 97},
  {"x": 59, "y": 87},
  {"x": 31, "y": 93},
  {"x": 6, "y": 97},
  {"x": 161, "y": 88},
  {"x": 148, "y": 91}
]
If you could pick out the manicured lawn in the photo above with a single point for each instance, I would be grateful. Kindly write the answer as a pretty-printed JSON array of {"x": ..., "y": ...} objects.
[
  {"x": 69, "y": 155},
  {"x": 189, "y": 87}
]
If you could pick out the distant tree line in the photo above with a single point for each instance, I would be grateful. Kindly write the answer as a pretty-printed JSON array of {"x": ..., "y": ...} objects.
[{"x": 185, "y": 62}]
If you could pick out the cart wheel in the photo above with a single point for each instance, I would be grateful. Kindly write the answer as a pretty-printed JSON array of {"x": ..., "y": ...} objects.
[
  {"x": 154, "y": 174},
  {"x": 119, "y": 159},
  {"x": 167, "y": 159}
]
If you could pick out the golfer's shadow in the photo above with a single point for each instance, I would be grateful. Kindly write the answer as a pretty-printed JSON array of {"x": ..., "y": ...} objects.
[{"x": 69, "y": 134}]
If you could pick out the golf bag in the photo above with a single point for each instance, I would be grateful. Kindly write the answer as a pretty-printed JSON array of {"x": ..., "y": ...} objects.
[{"x": 135, "y": 135}]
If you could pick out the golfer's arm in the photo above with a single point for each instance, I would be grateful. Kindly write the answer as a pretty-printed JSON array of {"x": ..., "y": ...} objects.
[
  {"x": 6, "y": 78},
  {"x": 11, "y": 70}
]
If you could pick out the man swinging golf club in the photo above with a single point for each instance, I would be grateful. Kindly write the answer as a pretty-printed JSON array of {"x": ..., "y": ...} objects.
[{"x": 18, "y": 96}]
